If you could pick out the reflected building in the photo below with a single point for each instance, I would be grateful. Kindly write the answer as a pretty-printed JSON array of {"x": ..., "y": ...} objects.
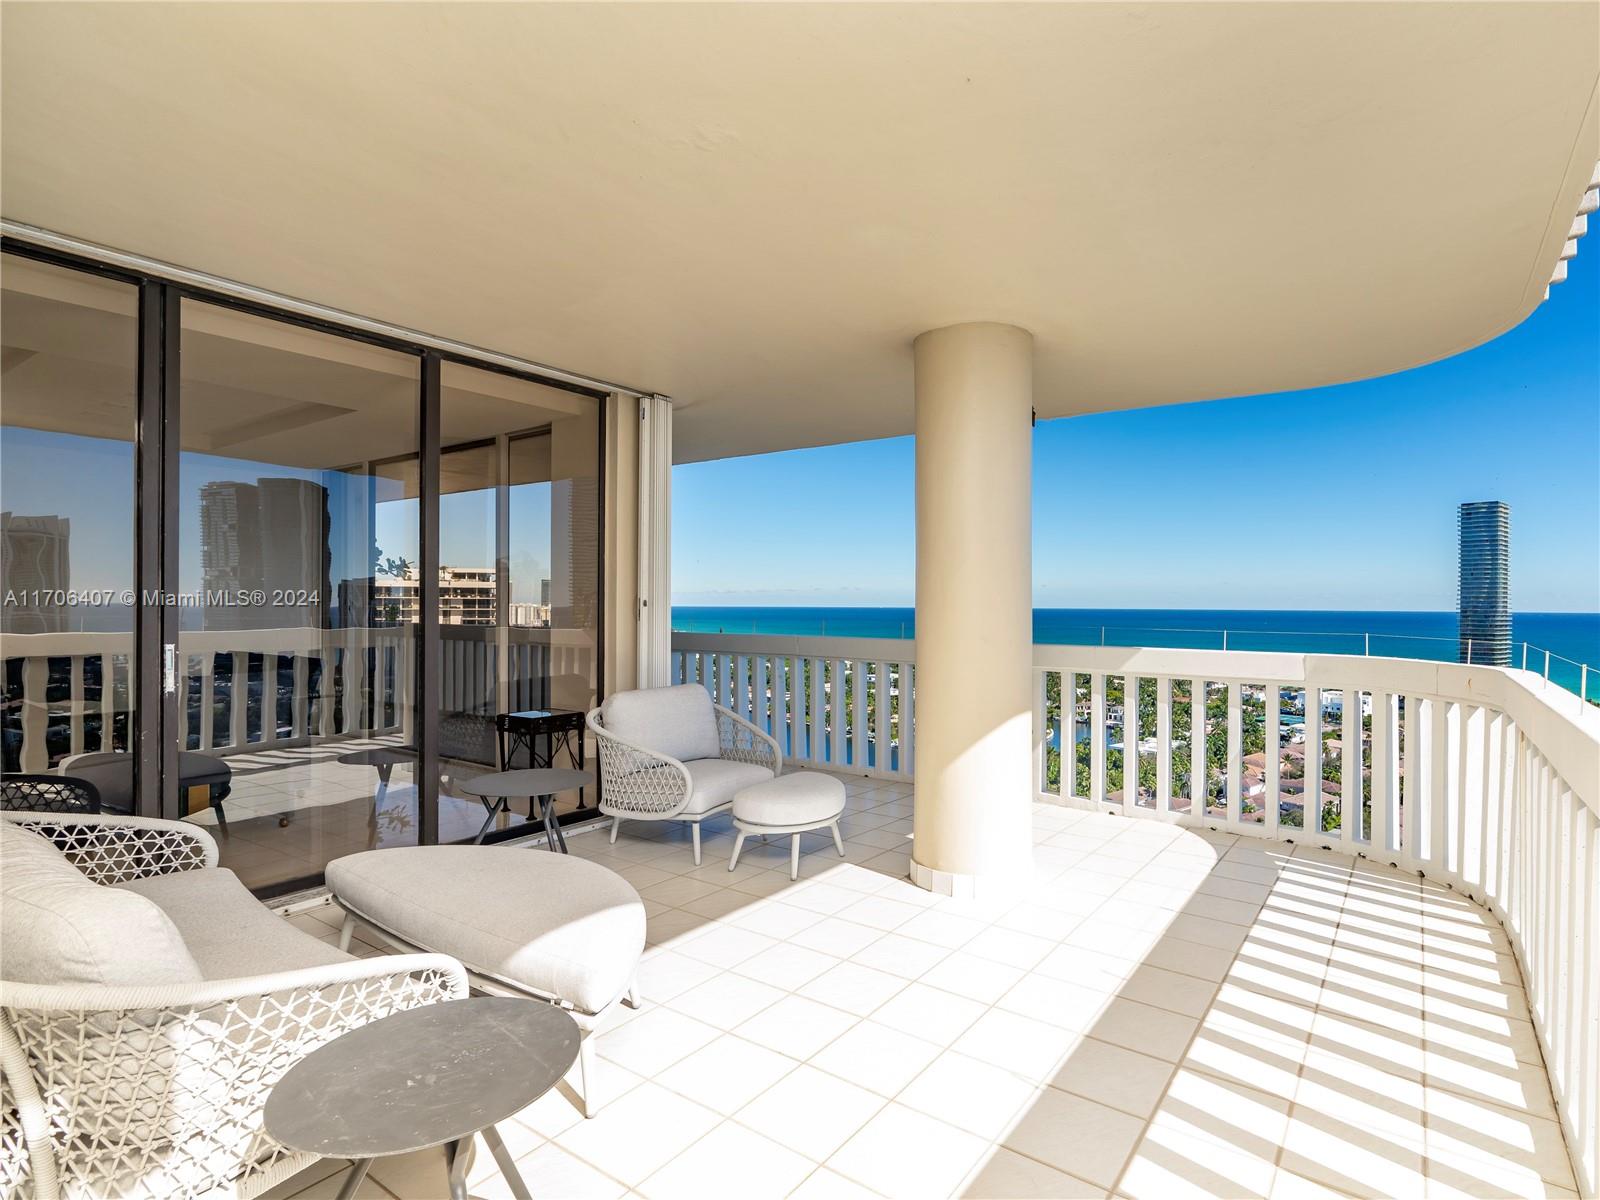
[
  {"x": 467, "y": 596},
  {"x": 36, "y": 566},
  {"x": 270, "y": 536}
]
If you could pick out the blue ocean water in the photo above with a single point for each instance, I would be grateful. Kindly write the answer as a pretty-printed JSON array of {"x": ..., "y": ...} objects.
[{"x": 1570, "y": 638}]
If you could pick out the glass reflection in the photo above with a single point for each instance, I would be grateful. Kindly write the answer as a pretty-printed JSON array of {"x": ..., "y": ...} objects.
[{"x": 298, "y": 665}]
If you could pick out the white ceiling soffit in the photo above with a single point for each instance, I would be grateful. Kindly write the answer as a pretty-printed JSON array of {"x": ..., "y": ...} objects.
[{"x": 755, "y": 208}]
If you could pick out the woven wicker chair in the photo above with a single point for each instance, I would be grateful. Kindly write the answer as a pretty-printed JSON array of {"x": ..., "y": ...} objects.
[
  {"x": 641, "y": 779},
  {"x": 157, "y": 1091},
  {"x": 48, "y": 794}
]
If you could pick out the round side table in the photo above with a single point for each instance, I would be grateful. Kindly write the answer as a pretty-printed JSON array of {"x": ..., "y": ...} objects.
[
  {"x": 430, "y": 1076},
  {"x": 539, "y": 783}
]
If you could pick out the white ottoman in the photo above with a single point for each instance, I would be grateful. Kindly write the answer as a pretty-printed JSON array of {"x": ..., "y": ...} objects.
[
  {"x": 551, "y": 926},
  {"x": 789, "y": 804}
]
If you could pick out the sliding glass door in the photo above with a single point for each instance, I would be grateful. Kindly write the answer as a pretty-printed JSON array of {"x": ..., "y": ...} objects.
[
  {"x": 297, "y": 687},
  {"x": 518, "y": 577},
  {"x": 68, "y": 424},
  {"x": 278, "y": 578}
]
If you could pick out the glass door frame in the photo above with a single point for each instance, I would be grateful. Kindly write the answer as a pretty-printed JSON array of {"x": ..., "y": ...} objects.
[{"x": 160, "y": 714}]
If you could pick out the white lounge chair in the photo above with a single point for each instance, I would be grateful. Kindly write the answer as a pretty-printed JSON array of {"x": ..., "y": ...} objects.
[
  {"x": 546, "y": 926},
  {"x": 670, "y": 754},
  {"x": 149, "y": 1003}
]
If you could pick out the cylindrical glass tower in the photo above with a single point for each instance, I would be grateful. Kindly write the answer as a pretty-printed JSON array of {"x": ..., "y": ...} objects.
[{"x": 1484, "y": 592}]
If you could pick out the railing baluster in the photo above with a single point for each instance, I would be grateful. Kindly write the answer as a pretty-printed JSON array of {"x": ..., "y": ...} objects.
[
  {"x": 1235, "y": 793},
  {"x": 1164, "y": 744},
  {"x": 837, "y": 714},
  {"x": 269, "y": 697},
  {"x": 1040, "y": 684},
  {"x": 1069, "y": 735},
  {"x": 816, "y": 710},
  {"x": 1510, "y": 755},
  {"x": 859, "y": 756},
  {"x": 763, "y": 690},
  {"x": 1199, "y": 771},
  {"x": 1311, "y": 799},
  {"x": 35, "y": 752},
  {"x": 239, "y": 707},
  {"x": 795, "y": 666},
  {"x": 1350, "y": 766},
  {"x": 908, "y": 718},
  {"x": 1271, "y": 757},
  {"x": 75, "y": 698},
  {"x": 108, "y": 702},
  {"x": 1383, "y": 715},
  {"x": 881, "y": 756},
  {"x": 1130, "y": 743},
  {"x": 1097, "y": 738},
  {"x": 297, "y": 710},
  {"x": 1475, "y": 798},
  {"x": 1442, "y": 778},
  {"x": 776, "y": 669}
]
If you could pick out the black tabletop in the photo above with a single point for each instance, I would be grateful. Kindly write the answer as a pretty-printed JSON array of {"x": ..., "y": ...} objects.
[
  {"x": 422, "y": 1077},
  {"x": 537, "y": 781},
  {"x": 543, "y": 714}
]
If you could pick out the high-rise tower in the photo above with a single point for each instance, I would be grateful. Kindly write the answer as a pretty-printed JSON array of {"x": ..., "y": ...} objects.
[{"x": 1484, "y": 592}]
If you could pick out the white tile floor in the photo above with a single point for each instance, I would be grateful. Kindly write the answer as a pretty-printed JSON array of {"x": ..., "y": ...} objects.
[{"x": 1168, "y": 1013}]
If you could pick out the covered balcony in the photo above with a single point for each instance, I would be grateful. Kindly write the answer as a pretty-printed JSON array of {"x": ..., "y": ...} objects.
[
  {"x": 407, "y": 312},
  {"x": 1197, "y": 994}
]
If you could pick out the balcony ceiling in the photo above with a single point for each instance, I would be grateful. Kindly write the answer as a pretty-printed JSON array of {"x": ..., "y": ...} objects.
[{"x": 755, "y": 209}]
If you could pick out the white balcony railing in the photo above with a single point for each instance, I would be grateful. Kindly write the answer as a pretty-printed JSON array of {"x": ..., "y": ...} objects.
[
  {"x": 246, "y": 691},
  {"x": 1481, "y": 778}
]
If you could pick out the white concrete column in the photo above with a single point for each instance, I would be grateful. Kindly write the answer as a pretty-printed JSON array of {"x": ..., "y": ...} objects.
[{"x": 974, "y": 397}]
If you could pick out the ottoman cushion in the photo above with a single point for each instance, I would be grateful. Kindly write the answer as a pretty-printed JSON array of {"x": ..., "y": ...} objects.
[
  {"x": 802, "y": 798},
  {"x": 558, "y": 925}
]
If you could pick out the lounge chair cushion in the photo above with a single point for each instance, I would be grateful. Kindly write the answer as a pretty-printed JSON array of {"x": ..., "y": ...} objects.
[
  {"x": 560, "y": 926},
  {"x": 715, "y": 780},
  {"x": 229, "y": 932},
  {"x": 678, "y": 722},
  {"x": 59, "y": 927}
]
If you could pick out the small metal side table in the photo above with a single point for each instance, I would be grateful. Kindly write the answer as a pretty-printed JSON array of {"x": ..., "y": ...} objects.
[
  {"x": 430, "y": 1076},
  {"x": 499, "y": 789},
  {"x": 385, "y": 759}
]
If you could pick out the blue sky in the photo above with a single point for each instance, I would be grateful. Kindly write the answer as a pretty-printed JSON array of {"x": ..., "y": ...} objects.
[{"x": 1334, "y": 498}]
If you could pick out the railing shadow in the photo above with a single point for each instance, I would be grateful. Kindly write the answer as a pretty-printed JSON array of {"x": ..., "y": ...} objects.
[
  {"x": 1328, "y": 1056},
  {"x": 1363, "y": 1032}
]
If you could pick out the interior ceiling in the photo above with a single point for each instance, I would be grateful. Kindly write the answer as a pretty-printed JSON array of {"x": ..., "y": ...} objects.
[
  {"x": 755, "y": 208},
  {"x": 252, "y": 389}
]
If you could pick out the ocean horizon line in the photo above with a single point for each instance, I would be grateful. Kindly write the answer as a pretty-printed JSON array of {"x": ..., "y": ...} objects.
[{"x": 1560, "y": 643}]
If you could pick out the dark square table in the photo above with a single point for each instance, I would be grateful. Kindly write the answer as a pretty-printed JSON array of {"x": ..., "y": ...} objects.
[{"x": 558, "y": 728}]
